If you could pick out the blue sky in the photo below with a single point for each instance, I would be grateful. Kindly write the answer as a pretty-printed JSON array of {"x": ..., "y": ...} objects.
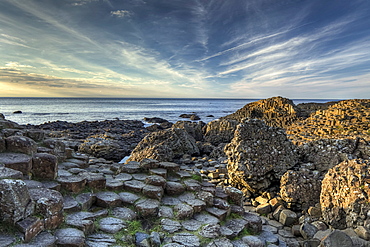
[{"x": 185, "y": 48}]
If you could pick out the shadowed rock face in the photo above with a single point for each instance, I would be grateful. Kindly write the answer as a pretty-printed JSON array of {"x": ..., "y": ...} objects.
[
  {"x": 275, "y": 111},
  {"x": 259, "y": 155},
  {"x": 165, "y": 145},
  {"x": 344, "y": 194}
]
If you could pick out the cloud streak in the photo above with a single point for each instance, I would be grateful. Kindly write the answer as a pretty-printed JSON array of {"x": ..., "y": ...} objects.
[{"x": 186, "y": 48}]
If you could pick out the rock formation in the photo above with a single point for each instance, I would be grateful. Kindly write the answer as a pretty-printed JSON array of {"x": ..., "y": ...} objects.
[
  {"x": 259, "y": 155},
  {"x": 165, "y": 145},
  {"x": 275, "y": 111},
  {"x": 345, "y": 194},
  {"x": 347, "y": 119}
]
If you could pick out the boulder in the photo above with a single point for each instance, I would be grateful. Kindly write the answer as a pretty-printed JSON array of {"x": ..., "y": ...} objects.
[
  {"x": 58, "y": 148},
  {"x": 344, "y": 194},
  {"x": 165, "y": 145},
  {"x": 301, "y": 188},
  {"x": 15, "y": 201},
  {"x": 259, "y": 155}
]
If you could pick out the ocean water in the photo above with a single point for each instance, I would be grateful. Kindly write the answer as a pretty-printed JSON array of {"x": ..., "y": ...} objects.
[{"x": 41, "y": 110}]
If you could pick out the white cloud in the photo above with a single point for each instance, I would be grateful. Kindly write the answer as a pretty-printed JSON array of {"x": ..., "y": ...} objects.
[{"x": 121, "y": 13}]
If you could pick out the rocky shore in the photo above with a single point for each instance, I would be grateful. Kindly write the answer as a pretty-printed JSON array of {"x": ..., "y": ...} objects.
[{"x": 271, "y": 174}]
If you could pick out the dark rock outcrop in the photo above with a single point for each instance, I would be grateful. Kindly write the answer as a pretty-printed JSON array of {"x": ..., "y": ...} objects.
[{"x": 259, "y": 155}]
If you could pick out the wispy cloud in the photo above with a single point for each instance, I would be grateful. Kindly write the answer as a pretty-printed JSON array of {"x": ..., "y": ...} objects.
[{"x": 121, "y": 13}]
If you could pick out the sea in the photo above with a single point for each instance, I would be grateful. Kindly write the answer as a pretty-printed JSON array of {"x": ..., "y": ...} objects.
[{"x": 41, "y": 110}]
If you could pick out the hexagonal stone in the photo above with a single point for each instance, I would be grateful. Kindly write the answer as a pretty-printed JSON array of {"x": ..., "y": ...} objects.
[
  {"x": 158, "y": 171},
  {"x": 30, "y": 227},
  {"x": 21, "y": 144},
  {"x": 17, "y": 161},
  {"x": 113, "y": 184},
  {"x": 147, "y": 207},
  {"x": 70, "y": 204},
  {"x": 73, "y": 184},
  {"x": 192, "y": 185},
  {"x": 197, "y": 205},
  {"x": 111, "y": 225},
  {"x": 100, "y": 240},
  {"x": 6, "y": 239},
  {"x": 108, "y": 199},
  {"x": 235, "y": 195},
  {"x": 70, "y": 237},
  {"x": 134, "y": 186},
  {"x": 186, "y": 239},
  {"x": 174, "y": 188},
  {"x": 44, "y": 166},
  {"x": 44, "y": 239},
  {"x": 131, "y": 167},
  {"x": 147, "y": 164},
  {"x": 128, "y": 198},
  {"x": 165, "y": 212},
  {"x": 288, "y": 217},
  {"x": 183, "y": 211},
  {"x": 169, "y": 166},
  {"x": 170, "y": 226},
  {"x": 206, "y": 218},
  {"x": 236, "y": 225},
  {"x": 139, "y": 176},
  {"x": 123, "y": 177},
  {"x": 124, "y": 213},
  {"x": 219, "y": 213},
  {"x": 86, "y": 200},
  {"x": 151, "y": 191},
  {"x": 191, "y": 225},
  {"x": 170, "y": 201},
  {"x": 156, "y": 180},
  {"x": 9, "y": 173},
  {"x": 210, "y": 231},
  {"x": 254, "y": 223},
  {"x": 95, "y": 180}
]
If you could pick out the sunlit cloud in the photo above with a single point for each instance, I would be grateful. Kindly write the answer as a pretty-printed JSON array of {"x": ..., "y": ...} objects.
[{"x": 121, "y": 13}]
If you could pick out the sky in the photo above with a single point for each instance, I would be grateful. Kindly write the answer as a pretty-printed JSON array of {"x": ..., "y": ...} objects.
[{"x": 300, "y": 49}]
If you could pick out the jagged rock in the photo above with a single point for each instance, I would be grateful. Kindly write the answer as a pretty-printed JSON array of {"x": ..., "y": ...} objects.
[
  {"x": 344, "y": 194},
  {"x": 19, "y": 162},
  {"x": 258, "y": 155},
  {"x": 220, "y": 131},
  {"x": 210, "y": 231},
  {"x": 44, "y": 166},
  {"x": 15, "y": 201},
  {"x": 300, "y": 188},
  {"x": 165, "y": 145},
  {"x": 275, "y": 111},
  {"x": 21, "y": 144},
  {"x": 195, "y": 129}
]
